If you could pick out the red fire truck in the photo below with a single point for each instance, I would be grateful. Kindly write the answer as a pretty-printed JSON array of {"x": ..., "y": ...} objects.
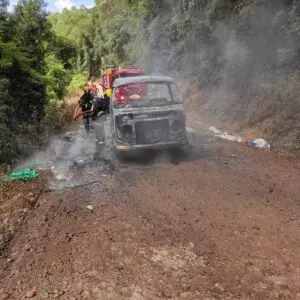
[{"x": 110, "y": 73}]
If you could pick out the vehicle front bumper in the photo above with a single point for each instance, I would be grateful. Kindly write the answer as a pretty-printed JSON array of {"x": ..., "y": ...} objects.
[{"x": 125, "y": 147}]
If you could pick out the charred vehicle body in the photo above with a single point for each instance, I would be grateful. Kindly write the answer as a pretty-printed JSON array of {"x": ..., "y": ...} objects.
[{"x": 147, "y": 112}]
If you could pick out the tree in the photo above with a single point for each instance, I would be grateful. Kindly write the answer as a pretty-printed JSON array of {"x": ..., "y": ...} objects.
[
  {"x": 32, "y": 31},
  {"x": 63, "y": 51},
  {"x": 22, "y": 76}
]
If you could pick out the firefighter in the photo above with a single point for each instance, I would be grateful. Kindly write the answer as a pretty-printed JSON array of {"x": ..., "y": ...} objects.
[
  {"x": 101, "y": 105},
  {"x": 100, "y": 111},
  {"x": 86, "y": 105}
]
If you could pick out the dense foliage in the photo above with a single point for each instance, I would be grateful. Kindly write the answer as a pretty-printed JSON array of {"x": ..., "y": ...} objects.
[
  {"x": 243, "y": 55},
  {"x": 202, "y": 40},
  {"x": 107, "y": 34},
  {"x": 34, "y": 71}
]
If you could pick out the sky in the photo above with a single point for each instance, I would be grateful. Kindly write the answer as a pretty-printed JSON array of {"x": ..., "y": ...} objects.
[{"x": 59, "y": 5}]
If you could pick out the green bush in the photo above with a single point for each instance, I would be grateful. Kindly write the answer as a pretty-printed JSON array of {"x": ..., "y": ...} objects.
[
  {"x": 77, "y": 81},
  {"x": 57, "y": 78}
]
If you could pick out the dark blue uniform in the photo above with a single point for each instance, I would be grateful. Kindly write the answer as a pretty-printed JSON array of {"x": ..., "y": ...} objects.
[
  {"x": 101, "y": 104},
  {"x": 86, "y": 104}
]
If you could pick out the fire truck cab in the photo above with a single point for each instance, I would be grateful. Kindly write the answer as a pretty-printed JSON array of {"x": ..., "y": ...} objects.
[{"x": 110, "y": 73}]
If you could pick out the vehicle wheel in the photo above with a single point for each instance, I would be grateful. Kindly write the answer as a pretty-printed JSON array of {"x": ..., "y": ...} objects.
[{"x": 176, "y": 154}]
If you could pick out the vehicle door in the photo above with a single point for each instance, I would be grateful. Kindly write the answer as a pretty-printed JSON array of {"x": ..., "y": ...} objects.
[{"x": 111, "y": 113}]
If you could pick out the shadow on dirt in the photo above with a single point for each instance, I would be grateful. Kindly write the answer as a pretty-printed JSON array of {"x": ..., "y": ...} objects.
[{"x": 174, "y": 156}]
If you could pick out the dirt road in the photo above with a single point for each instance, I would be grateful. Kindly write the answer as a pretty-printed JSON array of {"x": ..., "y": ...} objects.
[{"x": 221, "y": 221}]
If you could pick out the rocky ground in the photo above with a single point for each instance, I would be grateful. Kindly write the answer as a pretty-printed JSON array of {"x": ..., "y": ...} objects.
[{"x": 217, "y": 221}]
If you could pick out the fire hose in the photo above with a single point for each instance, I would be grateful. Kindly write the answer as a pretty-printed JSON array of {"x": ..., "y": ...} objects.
[{"x": 76, "y": 114}]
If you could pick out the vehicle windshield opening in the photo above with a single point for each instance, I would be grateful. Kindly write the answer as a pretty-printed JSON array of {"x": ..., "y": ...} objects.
[{"x": 147, "y": 94}]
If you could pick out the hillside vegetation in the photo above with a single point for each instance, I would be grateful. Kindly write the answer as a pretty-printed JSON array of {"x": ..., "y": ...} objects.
[
  {"x": 35, "y": 69},
  {"x": 243, "y": 55}
]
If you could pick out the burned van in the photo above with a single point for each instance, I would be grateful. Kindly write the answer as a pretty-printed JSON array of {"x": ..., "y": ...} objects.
[{"x": 147, "y": 112}]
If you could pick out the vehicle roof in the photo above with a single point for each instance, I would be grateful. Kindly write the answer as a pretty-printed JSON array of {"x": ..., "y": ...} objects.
[
  {"x": 129, "y": 71},
  {"x": 141, "y": 79}
]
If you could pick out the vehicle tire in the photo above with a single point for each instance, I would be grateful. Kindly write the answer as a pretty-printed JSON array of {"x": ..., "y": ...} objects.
[{"x": 176, "y": 154}]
